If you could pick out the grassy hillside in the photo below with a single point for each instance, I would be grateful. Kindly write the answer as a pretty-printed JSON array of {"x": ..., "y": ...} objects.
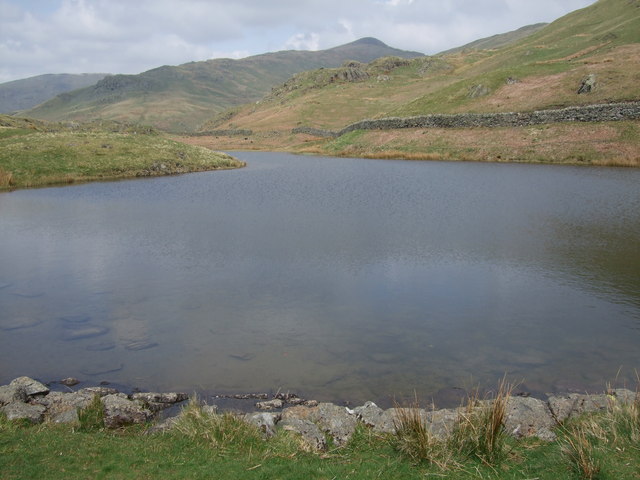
[
  {"x": 542, "y": 71},
  {"x": 498, "y": 41},
  {"x": 181, "y": 98},
  {"x": 29, "y": 92},
  {"x": 36, "y": 153}
]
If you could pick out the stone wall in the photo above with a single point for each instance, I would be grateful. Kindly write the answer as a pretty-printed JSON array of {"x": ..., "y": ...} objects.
[
  {"x": 224, "y": 133},
  {"x": 589, "y": 113}
]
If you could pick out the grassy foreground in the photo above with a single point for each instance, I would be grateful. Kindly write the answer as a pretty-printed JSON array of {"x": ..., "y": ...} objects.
[
  {"x": 34, "y": 154},
  {"x": 602, "y": 446}
]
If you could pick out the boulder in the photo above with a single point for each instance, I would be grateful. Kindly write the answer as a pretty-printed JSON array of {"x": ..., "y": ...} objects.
[
  {"x": 159, "y": 401},
  {"x": 574, "y": 404},
  {"x": 31, "y": 386},
  {"x": 23, "y": 411},
  {"x": 70, "y": 381},
  {"x": 120, "y": 411},
  {"x": 624, "y": 396},
  {"x": 63, "y": 407},
  {"x": 311, "y": 436},
  {"x": 588, "y": 84},
  {"x": 477, "y": 91},
  {"x": 334, "y": 420},
  {"x": 529, "y": 417},
  {"x": 270, "y": 405},
  {"x": 381, "y": 421},
  {"x": 100, "y": 391},
  {"x": 442, "y": 422},
  {"x": 12, "y": 393},
  {"x": 266, "y": 422},
  {"x": 164, "y": 426}
]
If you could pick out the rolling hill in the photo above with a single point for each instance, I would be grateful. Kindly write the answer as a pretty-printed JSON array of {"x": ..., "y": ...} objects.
[
  {"x": 541, "y": 71},
  {"x": 180, "y": 98},
  {"x": 29, "y": 92}
]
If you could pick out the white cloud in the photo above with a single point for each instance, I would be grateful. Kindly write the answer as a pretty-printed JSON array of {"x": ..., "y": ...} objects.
[
  {"x": 120, "y": 36},
  {"x": 303, "y": 41}
]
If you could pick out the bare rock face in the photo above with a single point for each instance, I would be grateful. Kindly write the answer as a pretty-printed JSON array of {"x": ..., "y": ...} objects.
[
  {"x": 120, "y": 411},
  {"x": 529, "y": 417}
]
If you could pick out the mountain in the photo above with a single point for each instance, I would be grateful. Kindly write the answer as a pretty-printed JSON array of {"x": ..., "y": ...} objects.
[
  {"x": 29, "y": 92},
  {"x": 180, "y": 98},
  {"x": 498, "y": 41},
  {"x": 540, "y": 71}
]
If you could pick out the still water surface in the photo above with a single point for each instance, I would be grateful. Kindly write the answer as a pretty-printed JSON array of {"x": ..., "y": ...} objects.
[{"x": 340, "y": 279}]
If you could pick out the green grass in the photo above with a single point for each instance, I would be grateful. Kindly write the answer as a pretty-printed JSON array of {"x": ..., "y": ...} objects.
[
  {"x": 221, "y": 446},
  {"x": 50, "y": 154}
]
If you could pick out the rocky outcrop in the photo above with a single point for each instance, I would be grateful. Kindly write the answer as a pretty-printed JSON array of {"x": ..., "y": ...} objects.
[
  {"x": 588, "y": 84},
  {"x": 610, "y": 112}
]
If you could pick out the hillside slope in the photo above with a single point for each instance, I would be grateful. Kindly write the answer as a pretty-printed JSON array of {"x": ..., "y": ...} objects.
[
  {"x": 180, "y": 98},
  {"x": 546, "y": 70},
  {"x": 541, "y": 71},
  {"x": 498, "y": 41},
  {"x": 29, "y": 92}
]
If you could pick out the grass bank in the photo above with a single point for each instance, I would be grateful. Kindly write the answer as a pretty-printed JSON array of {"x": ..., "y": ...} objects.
[
  {"x": 602, "y": 445},
  {"x": 600, "y": 144},
  {"x": 597, "y": 144},
  {"x": 34, "y": 154}
]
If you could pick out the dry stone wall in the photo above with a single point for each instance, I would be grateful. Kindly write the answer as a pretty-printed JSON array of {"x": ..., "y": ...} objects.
[{"x": 609, "y": 112}]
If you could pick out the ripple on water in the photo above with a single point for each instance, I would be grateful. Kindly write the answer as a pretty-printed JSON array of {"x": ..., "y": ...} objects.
[
  {"x": 19, "y": 323},
  {"x": 86, "y": 331}
]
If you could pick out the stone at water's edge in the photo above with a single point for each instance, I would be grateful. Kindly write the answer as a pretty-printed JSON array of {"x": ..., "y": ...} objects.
[
  {"x": 23, "y": 411},
  {"x": 25, "y": 398},
  {"x": 574, "y": 404},
  {"x": 12, "y": 393},
  {"x": 266, "y": 422},
  {"x": 119, "y": 411},
  {"x": 333, "y": 420},
  {"x": 31, "y": 386},
  {"x": 529, "y": 417},
  {"x": 311, "y": 436},
  {"x": 381, "y": 421}
]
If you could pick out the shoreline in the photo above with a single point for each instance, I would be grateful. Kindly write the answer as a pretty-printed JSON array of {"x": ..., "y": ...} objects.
[{"x": 30, "y": 400}]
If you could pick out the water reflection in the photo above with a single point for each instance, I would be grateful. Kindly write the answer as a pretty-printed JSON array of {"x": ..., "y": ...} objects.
[{"x": 340, "y": 279}]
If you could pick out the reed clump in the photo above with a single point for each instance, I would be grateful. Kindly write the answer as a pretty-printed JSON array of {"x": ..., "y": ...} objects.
[
  {"x": 479, "y": 432},
  {"x": 415, "y": 439},
  {"x": 587, "y": 442},
  {"x": 221, "y": 431}
]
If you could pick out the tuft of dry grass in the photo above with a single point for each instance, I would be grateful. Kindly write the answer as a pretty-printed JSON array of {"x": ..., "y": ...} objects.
[
  {"x": 579, "y": 449},
  {"x": 6, "y": 178},
  {"x": 479, "y": 432},
  {"x": 221, "y": 431},
  {"x": 415, "y": 440}
]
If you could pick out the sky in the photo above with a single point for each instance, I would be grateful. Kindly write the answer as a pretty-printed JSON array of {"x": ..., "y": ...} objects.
[{"x": 132, "y": 36}]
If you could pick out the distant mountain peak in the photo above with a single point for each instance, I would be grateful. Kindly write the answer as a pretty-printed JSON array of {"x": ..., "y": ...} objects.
[{"x": 369, "y": 41}]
